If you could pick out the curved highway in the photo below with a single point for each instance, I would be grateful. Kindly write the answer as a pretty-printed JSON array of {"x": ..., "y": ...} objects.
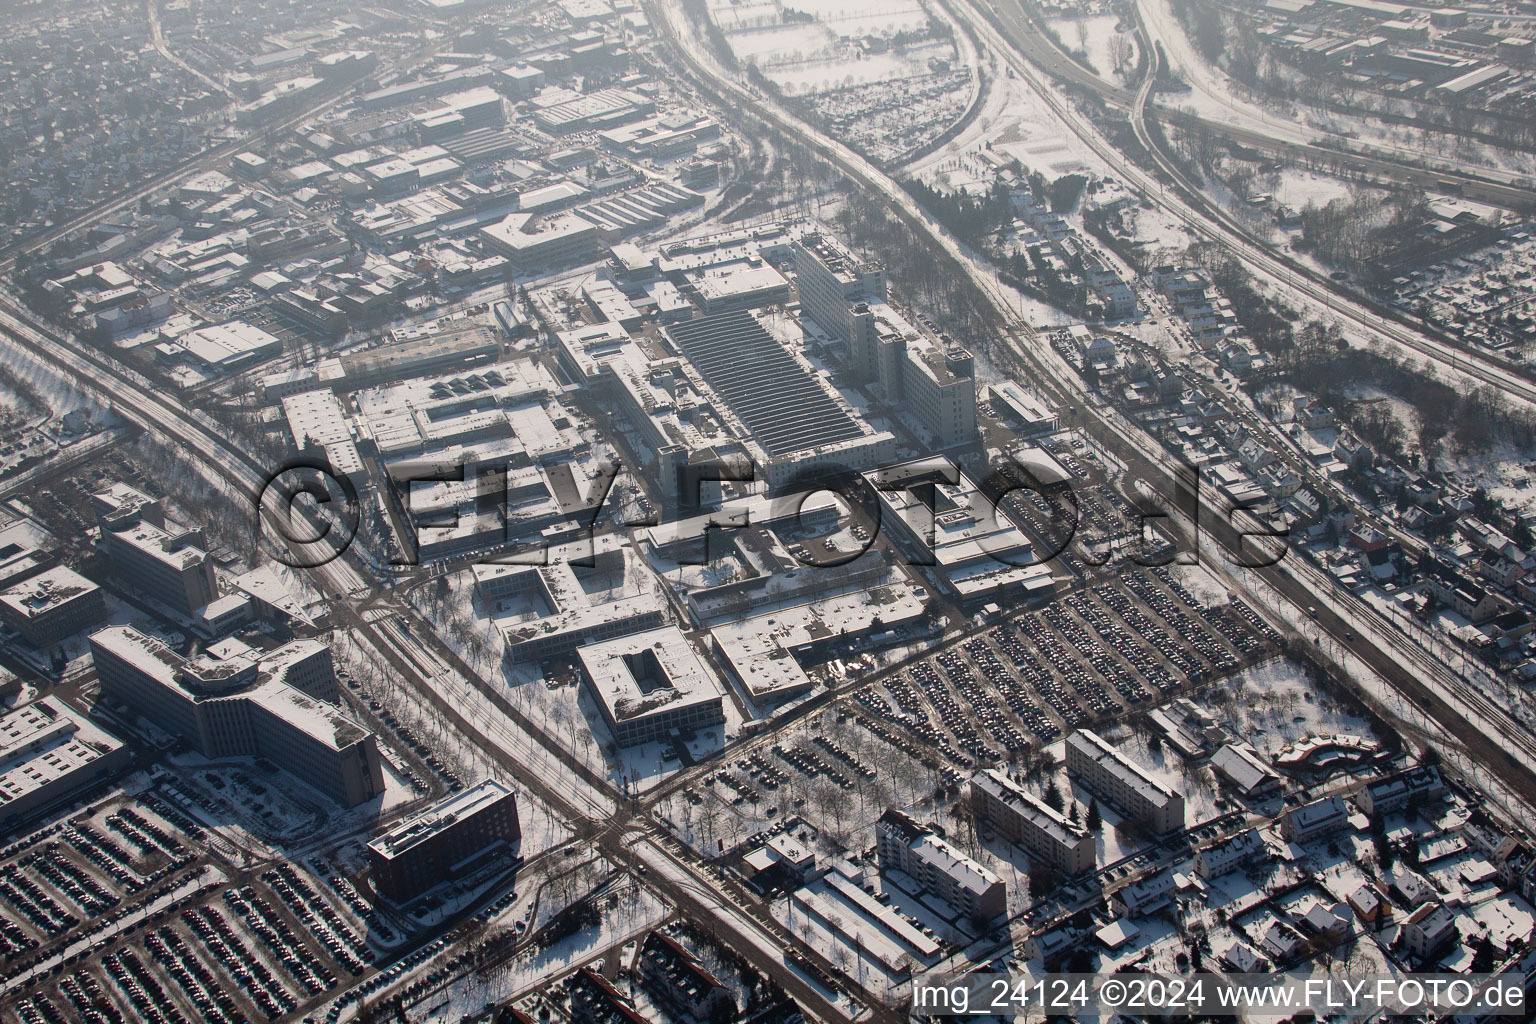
[
  {"x": 1458, "y": 708},
  {"x": 1025, "y": 36},
  {"x": 1257, "y": 252},
  {"x": 1215, "y": 224}
]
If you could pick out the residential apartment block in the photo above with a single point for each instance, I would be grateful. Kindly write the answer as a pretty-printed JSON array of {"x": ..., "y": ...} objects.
[
  {"x": 1023, "y": 818},
  {"x": 914, "y": 849},
  {"x": 1099, "y": 766}
]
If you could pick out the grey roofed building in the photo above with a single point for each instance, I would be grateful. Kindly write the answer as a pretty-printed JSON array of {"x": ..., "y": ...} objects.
[
  {"x": 1098, "y": 765},
  {"x": 234, "y": 701},
  {"x": 1246, "y": 771},
  {"x": 784, "y": 407}
]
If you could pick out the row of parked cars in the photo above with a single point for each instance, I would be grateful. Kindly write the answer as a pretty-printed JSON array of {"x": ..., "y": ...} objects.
[
  {"x": 78, "y": 887},
  {"x": 388, "y": 976},
  {"x": 197, "y": 982},
  {"x": 1117, "y": 638},
  {"x": 1182, "y": 659},
  {"x": 150, "y": 1000},
  {"x": 965, "y": 668},
  {"x": 914, "y": 713},
  {"x": 906, "y": 697},
  {"x": 319, "y": 917},
  {"x": 1132, "y": 690},
  {"x": 28, "y": 899},
  {"x": 1125, "y": 650},
  {"x": 1189, "y": 632},
  {"x": 1008, "y": 687},
  {"x": 1041, "y": 631},
  {"x": 231, "y": 954},
  {"x": 273, "y": 932},
  {"x": 366, "y": 912},
  {"x": 406, "y": 737},
  {"x": 1040, "y": 679}
]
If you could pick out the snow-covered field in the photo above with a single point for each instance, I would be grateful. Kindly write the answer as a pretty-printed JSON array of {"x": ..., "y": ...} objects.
[
  {"x": 841, "y": 67},
  {"x": 776, "y": 44},
  {"x": 1094, "y": 36},
  {"x": 1297, "y": 188},
  {"x": 830, "y": 51},
  {"x": 864, "y": 17},
  {"x": 1217, "y": 96}
]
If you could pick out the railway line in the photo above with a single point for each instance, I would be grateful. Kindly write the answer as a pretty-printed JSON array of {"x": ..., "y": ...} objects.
[
  {"x": 1044, "y": 54},
  {"x": 128, "y": 395},
  {"x": 624, "y": 833},
  {"x": 1439, "y": 698},
  {"x": 1020, "y": 47},
  {"x": 1302, "y": 278}
]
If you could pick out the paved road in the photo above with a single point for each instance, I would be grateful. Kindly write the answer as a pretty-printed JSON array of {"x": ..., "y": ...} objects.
[
  {"x": 1395, "y": 658},
  {"x": 212, "y": 159},
  {"x": 1258, "y": 253},
  {"x": 570, "y": 792},
  {"x": 1044, "y": 54},
  {"x": 622, "y": 838},
  {"x": 1025, "y": 49}
]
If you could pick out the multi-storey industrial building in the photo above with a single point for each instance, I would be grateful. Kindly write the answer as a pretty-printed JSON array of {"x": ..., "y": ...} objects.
[
  {"x": 234, "y": 701},
  {"x": 649, "y": 685},
  {"x": 929, "y": 375},
  {"x": 448, "y": 840},
  {"x": 48, "y": 752}
]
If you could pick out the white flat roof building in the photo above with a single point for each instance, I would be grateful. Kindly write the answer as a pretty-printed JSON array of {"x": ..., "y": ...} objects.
[
  {"x": 50, "y": 606},
  {"x": 48, "y": 751},
  {"x": 411, "y": 417},
  {"x": 575, "y": 618},
  {"x": 976, "y": 548},
  {"x": 230, "y": 346},
  {"x": 531, "y": 243},
  {"x": 760, "y": 651},
  {"x": 318, "y": 417},
  {"x": 1028, "y": 412},
  {"x": 648, "y": 685},
  {"x": 749, "y": 282}
]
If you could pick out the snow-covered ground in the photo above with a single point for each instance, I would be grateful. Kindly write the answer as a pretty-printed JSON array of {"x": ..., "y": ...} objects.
[
  {"x": 864, "y": 17},
  {"x": 1298, "y": 188},
  {"x": 828, "y": 51},
  {"x": 626, "y": 910},
  {"x": 1095, "y": 37},
  {"x": 1217, "y": 96},
  {"x": 841, "y": 67}
]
